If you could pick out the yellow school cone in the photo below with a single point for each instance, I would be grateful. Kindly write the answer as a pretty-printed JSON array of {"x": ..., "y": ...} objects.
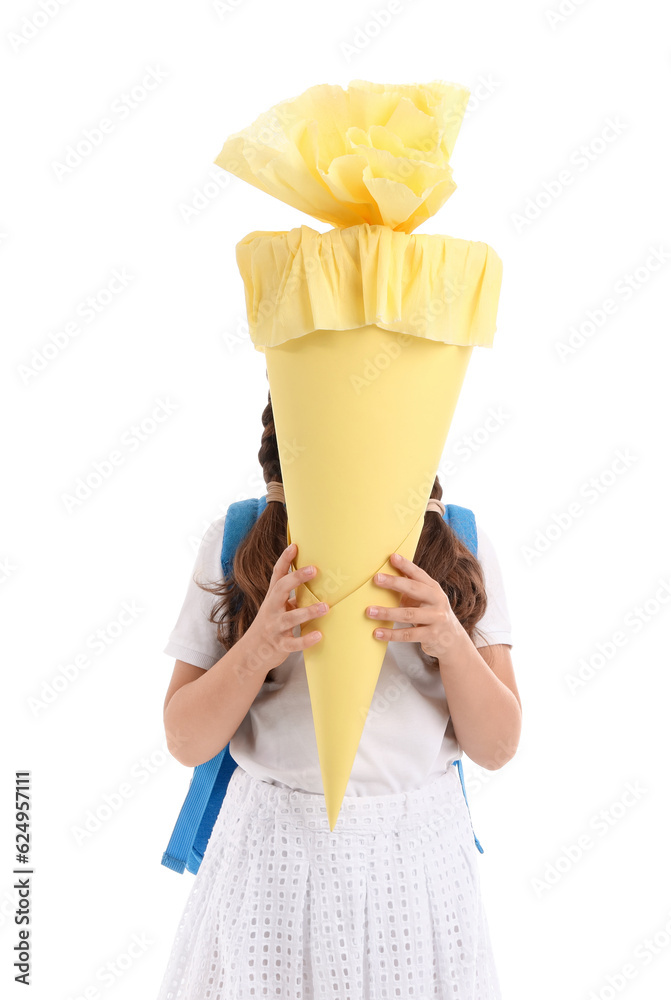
[
  {"x": 362, "y": 462},
  {"x": 367, "y": 331}
]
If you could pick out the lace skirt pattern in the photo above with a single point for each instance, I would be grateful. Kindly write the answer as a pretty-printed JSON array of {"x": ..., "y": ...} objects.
[{"x": 386, "y": 906}]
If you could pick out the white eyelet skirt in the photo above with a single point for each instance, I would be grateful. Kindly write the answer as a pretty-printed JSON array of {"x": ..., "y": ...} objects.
[{"x": 386, "y": 906}]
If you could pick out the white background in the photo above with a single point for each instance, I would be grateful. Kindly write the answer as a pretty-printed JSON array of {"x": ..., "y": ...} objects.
[{"x": 542, "y": 88}]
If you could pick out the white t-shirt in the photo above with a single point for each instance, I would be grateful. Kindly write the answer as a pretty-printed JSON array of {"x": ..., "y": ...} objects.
[{"x": 408, "y": 739}]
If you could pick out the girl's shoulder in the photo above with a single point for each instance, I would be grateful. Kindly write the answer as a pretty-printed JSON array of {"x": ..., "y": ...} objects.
[
  {"x": 487, "y": 552},
  {"x": 495, "y": 623},
  {"x": 208, "y": 557},
  {"x": 485, "y": 543},
  {"x": 214, "y": 531}
]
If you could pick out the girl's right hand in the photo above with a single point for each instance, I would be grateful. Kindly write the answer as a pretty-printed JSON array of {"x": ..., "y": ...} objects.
[{"x": 271, "y": 630}]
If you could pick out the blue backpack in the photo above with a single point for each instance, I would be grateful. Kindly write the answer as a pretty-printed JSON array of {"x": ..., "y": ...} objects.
[{"x": 210, "y": 779}]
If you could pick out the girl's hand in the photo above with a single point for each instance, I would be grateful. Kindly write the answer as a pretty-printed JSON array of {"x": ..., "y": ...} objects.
[
  {"x": 270, "y": 634},
  {"x": 424, "y": 604}
]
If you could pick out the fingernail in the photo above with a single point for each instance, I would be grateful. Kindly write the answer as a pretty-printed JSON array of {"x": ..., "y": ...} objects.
[{"x": 378, "y": 633}]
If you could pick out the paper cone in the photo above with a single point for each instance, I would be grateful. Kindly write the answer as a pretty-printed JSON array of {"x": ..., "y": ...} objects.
[
  {"x": 367, "y": 331},
  {"x": 358, "y": 463}
]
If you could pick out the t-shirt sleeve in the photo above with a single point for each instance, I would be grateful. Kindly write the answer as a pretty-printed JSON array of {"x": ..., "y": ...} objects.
[
  {"x": 495, "y": 623},
  {"x": 194, "y": 638}
]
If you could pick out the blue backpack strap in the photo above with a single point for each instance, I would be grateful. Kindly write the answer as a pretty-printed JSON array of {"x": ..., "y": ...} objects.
[
  {"x": 210, "y": 779},
  {"x": 462, "y": 522},
  {"x": 457, "y": 763},
  {"x": 224, "y": 772},
  {"x": 240, "y": 518},
  {"x": 177, "y": 853}
]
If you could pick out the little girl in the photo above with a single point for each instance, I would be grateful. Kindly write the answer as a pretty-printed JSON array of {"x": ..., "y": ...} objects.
[{"x": 388, "y": 905}]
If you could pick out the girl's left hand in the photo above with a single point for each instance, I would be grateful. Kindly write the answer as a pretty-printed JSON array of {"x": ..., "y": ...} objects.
[{"x": 424, "y": 605}]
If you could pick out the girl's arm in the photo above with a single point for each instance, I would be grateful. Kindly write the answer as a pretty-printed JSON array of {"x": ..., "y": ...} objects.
[
  {"x": 483, "y": 700},
  {"x": 202, "y": 713},
  {"x": 479, "y": 683},
  {"x": 204, "y": 708}
]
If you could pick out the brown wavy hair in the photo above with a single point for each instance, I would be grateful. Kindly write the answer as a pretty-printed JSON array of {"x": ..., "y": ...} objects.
[{"x": 439, "y": 552}]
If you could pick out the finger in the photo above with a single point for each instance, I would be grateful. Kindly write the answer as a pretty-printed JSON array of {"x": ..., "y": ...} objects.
[
  {"x": 293, "y": 644},
  {"x": 415, "y": 616},
  {"x": 398, "y": 634},
  {"x": 283, "y": 563},
  {"x": 291, "y": 619},
  {"x": 409, "y": 567},
  {"x": 292, "y": 581},
  {"x": 415, "y": 589}
]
